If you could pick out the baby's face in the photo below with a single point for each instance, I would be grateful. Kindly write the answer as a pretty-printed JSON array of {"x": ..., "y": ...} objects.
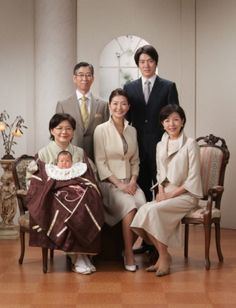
[{"x": 64, "y": 162}]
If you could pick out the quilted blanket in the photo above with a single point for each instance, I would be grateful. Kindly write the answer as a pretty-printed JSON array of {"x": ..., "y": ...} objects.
[{"x": 65, "y": 214}]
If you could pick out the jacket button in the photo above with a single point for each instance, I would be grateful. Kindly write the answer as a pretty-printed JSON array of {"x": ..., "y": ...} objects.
[{"x": 145, "y": 121}]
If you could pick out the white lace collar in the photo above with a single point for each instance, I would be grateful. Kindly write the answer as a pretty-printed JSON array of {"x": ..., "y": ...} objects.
[{"x": 57, "y": 173}]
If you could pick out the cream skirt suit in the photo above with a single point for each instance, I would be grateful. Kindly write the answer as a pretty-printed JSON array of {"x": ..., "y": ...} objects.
[
  {"x": 176, "y": 166},
  {"x": 117, "y": 155}
]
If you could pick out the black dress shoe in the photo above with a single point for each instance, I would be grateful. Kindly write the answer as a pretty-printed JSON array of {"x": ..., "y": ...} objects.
[{"x": 144, "y": 248}]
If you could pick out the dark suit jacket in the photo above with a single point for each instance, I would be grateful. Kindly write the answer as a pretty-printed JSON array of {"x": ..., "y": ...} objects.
[
  {"x": 145, "y": 117},
  {"x": 99, "y": 113}
]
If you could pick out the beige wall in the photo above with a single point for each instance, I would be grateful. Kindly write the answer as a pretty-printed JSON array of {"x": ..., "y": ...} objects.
[
  {"x": 196, "y": 53},
  {"x": 216, "y": 85},
  {"x": 17, "y": 66}
]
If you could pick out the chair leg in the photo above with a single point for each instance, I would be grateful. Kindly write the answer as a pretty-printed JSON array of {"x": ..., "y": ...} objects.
[
  {"x": 218, "y": 246},
  {"x": 186, "y": 236},
  {"x": 207, "y": 229},
  {"x": 45, "y": 259},
  {"x": 22, "y": 247},
  {"x": 51, "y": 254}
]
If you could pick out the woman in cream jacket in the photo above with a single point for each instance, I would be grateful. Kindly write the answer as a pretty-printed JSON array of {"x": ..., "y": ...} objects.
[
  {"x": 179, "y": 188},
  {"x": 117, "y": 161}
]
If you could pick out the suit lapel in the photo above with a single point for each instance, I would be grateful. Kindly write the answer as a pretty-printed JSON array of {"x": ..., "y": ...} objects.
[
  {"x": 155, "y": 89},
  {"x": 93, "y": 109},
  {"x": 77, "y": 115},
  {"x": 139, "y": 89}
]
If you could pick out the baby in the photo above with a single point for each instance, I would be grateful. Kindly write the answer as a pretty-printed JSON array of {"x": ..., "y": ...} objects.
[
  {"x": 65, "y": 169},
  {"x": 64, "y": 160}
]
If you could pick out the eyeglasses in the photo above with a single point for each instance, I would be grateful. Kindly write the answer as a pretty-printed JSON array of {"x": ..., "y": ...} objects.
[
  {"x": 87, "y": 76},
  {"x": 66, "y": 129}
]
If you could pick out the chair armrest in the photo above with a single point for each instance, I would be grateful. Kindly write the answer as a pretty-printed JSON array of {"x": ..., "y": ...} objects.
[
  {"x": 21, "y": 193},
  {"x": 214, "y": 195}
]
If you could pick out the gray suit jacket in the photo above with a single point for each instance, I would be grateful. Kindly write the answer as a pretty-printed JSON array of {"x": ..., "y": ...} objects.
[{"x": 99, "y": 113}]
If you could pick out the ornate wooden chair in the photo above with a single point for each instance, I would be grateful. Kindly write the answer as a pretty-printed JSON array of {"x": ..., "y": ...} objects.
[
  {"x": 214, "y": 157},
  {"x": 19, "y": 175}
]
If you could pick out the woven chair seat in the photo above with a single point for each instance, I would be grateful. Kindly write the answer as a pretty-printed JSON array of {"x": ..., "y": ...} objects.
[{"x": 201, "y": 209}]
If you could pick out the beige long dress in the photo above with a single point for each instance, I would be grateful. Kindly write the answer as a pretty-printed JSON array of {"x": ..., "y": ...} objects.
[{"x": 177, "y": 165}]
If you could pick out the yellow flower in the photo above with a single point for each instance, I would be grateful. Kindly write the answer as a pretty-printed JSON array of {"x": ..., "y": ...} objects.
[
  {"x": 17, "y": 132},
  {"x": 2, "y": 126}
]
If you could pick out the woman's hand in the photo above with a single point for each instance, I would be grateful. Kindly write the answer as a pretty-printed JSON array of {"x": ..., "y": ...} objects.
[
  {"x": 162, "y": 195},
  {"x": 132, "y": 187},
  {"x": 129, "y": 188}
]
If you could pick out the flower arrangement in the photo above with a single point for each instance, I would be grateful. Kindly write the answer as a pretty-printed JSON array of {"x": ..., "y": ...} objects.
[{"x": 9, "y": 132}]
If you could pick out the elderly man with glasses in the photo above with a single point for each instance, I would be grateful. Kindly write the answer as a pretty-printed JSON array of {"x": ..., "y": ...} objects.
[{"x": 88, "y": 110}]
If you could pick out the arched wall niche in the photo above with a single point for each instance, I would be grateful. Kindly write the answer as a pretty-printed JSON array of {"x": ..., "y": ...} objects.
[{"x": 117, "y": 66}]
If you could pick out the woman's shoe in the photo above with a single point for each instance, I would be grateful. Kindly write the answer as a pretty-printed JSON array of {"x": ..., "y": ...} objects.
[
  {"x": 151, "y": 268},
  {"x": 130, "y": 268},
  {"x": 165, "y": 270},
  {"x": 160, "y": 273}
]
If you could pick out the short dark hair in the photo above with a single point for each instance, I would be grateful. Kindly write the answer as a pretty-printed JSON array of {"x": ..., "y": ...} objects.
[
  {"x": 64, "y": 153},
  {"x": 118, "y": 92},
  {"x": 169, "y": 109},
  {"x": 83, "y": 64},
  {"x": 148, "y": 50},
  {"x": 58, "y": 118}
]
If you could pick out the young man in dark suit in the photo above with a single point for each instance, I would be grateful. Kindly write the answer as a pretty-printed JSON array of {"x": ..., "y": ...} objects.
[{"x": 147, "y": 95}]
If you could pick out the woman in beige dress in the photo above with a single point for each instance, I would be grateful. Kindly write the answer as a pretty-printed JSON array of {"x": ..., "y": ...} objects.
[
  {"x": 179, "y": 188},
  {"x": 117, "y": 161}
]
